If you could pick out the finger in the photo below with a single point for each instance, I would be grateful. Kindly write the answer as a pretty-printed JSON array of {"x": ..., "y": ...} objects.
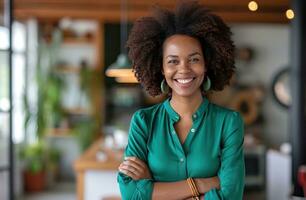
[
  {"x": 136, "y": 160},
  {"x": 128, "y": 173},
  {"x": 133, "y": 174},
  {"x": 132, "y": 169},
  {"x": 133, "y": 164}
]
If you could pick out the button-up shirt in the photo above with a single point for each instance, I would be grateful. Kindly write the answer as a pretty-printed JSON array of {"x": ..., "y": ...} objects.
[{"x": 213, "y": 147}]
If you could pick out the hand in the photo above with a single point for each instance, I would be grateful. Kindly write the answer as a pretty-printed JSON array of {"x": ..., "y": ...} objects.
[
  {"x": 135, "y": 168},
  {"x": 206, "y": 184}
]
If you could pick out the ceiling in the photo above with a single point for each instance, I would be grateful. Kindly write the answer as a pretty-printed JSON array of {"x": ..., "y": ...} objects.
[{"x": 269, "y": 11}]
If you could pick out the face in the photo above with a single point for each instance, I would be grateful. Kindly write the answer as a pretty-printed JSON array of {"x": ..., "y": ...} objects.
[{"x": 183, "y": 65}]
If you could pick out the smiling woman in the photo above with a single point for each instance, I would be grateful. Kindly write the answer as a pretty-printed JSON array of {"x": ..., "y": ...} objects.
[
  {"x": 183, "y": 65},
  {"x": 184, "y": 147}
]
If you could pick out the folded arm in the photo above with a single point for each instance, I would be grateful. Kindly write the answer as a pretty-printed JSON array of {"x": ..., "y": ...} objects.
[
  {"x": 138, "y": 170},
  {"x": 131, "y": 183}
]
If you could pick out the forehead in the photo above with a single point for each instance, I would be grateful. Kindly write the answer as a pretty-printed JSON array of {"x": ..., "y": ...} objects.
[{"x": 180, "y": 45}]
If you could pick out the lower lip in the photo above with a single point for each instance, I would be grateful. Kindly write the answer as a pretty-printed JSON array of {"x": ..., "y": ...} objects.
[{"x": 184, "y": 85}]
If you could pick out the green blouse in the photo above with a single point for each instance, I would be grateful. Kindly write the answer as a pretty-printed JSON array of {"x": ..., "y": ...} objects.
[{"x": 213, "y": 147}]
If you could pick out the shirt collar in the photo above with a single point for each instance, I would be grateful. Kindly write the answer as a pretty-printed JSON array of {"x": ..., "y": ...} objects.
[{"x": 196, "y": 115}]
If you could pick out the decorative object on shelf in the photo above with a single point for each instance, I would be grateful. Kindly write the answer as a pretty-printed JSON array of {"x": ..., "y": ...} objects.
[
  {"x": 121, "y": 69},
  {"x": 246, "y": 104},
  {"x": 245, "y": 53},
  {"x": 246, "y": 101},
  {"x": 281, "y": 87}
]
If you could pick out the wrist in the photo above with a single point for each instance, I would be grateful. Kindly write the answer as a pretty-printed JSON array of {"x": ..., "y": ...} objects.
[
  {"x": 206, "y": 184},
  {"x": 216, "y": 182},
  {"x": 200, "y": 185}
]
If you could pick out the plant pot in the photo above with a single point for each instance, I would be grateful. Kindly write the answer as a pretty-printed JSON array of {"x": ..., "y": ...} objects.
[{"x": 34, "y": 182}]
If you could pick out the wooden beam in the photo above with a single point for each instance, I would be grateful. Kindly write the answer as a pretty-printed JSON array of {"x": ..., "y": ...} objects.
[
  {"x": 114, "y": 15},
  {"x": 131, "y": 3},
  {"x": 271, "y": 11}
]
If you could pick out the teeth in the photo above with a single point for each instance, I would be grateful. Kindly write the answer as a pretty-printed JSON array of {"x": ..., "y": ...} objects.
[{"x": 184, "y": 80}]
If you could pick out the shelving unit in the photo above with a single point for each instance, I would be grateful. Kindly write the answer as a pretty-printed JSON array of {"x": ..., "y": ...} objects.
[
  {"x": 80, "y": 47},
  {"x": 82, "y": 103}
]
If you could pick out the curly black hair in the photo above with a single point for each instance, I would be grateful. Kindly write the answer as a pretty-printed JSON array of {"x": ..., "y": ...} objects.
[{"x": 145, "y": 43}]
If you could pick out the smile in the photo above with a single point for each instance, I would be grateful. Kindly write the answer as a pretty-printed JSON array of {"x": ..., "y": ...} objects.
[{"x": 184, "y": 81}]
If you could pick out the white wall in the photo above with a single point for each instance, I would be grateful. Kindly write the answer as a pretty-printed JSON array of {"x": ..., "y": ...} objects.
[{"x": 271, "y": 45}]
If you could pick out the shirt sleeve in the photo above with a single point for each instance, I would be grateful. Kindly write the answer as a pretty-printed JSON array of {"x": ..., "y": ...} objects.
[
  {"x": 232, "y": 171},
  {"x": 137, "y": 146}
]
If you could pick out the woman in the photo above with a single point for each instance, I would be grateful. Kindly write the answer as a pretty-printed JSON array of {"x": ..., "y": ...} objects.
[{"x": 184, "y": 147}]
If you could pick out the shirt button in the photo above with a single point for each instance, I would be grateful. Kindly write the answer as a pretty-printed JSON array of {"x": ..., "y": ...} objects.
[
  {"x": 193, "y": 130},
  {"x": 182, "y": 159}
]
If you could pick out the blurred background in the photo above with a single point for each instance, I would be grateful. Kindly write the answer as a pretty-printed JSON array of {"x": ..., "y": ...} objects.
[{"x": 67, "y": 95}]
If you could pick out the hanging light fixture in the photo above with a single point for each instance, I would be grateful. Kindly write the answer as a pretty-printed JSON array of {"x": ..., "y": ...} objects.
[{"x": 122, "y": 66}]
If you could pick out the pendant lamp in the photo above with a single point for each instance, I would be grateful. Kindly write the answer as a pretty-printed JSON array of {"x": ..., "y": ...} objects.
[{"x": 121, "y": 68}]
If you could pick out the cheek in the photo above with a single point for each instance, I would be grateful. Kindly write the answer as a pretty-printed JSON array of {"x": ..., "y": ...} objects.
[
  {"x": 167, "y": 72},
  {"x": 200, "y": 70}
]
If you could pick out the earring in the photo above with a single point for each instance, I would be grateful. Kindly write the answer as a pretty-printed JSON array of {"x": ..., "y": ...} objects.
[
  {"x": 164, "y": 87},
  {"x": 207, "y": 84}
]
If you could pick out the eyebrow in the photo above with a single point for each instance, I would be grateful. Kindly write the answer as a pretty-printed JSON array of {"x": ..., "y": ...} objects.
[
  {"x": 193, "y": 54},
  {"x": 171, "y": 56}
]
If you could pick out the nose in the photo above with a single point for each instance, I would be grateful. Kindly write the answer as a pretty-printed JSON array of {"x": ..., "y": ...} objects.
[{"x": 184, "y": 67}]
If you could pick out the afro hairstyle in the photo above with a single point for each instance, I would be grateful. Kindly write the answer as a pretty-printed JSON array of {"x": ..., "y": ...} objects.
[{"x": 146, "y": 38}]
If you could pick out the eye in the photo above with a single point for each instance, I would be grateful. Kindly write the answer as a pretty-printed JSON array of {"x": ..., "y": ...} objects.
[
  {"x": 173, "y": 61},
  {"x": 194, "y": 60}
]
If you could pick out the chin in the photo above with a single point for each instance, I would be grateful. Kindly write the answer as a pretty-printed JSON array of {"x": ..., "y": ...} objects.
[{"x": 187, "y": 94}]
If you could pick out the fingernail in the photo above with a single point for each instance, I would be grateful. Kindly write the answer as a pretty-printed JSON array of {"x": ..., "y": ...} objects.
[{"x": 126, "y": 158}]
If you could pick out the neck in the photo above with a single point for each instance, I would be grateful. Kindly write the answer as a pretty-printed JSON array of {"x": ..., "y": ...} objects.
[{"x": 186, "y": 106}]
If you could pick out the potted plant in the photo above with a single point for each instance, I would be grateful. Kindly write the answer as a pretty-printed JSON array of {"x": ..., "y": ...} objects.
[{"x": 34, "y": 160}]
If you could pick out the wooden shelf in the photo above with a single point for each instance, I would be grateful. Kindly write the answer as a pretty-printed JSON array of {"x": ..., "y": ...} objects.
[
  {"x": 77, "y": 111},
  {"x": 67, "y": 69},
  {"x": 78, "y": 40},
  {"x": 59, "y": 132}
]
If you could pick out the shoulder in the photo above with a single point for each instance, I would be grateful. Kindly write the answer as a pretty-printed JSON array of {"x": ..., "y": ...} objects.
[
  {"x": 228, "y": 116},
  {"x": 146, "y": 114},
  {"x": 223, "y": 111}
]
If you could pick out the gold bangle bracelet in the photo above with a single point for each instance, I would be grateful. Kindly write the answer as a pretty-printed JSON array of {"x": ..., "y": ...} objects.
[{"x": 193, "y": 188}]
